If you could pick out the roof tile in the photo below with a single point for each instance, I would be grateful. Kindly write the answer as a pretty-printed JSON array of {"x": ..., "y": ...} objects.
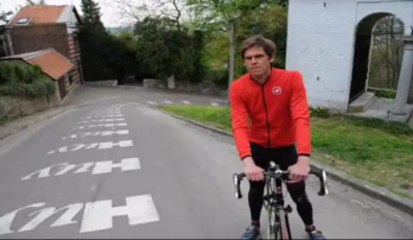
[{"x": 39, "y": 14}]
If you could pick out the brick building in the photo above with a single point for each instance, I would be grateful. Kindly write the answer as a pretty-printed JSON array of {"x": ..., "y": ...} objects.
[{"x": 41, "y": 27}]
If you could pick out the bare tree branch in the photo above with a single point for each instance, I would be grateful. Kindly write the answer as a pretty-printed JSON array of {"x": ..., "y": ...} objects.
[
  {"x": 386, "y": 41},
  {"x": 130, "y": 9}
]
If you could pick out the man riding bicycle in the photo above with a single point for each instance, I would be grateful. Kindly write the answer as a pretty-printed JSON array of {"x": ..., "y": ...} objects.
[{"x": 271, "y": 122}]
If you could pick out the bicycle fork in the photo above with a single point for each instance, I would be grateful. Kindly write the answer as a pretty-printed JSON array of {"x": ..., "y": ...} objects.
[{"x": 278, "y": 214}]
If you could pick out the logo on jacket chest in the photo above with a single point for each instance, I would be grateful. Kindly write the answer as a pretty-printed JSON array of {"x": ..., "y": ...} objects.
[{"x": 277, "y": 90}]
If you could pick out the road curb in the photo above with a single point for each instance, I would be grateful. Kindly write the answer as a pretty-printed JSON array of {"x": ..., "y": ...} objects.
[
  {"x": 26, "y": 121},
  {"x": 379, "y": 193}
]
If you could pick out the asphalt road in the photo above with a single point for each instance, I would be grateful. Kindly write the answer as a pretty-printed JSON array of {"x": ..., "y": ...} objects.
[{"x": 116, "y": 168}]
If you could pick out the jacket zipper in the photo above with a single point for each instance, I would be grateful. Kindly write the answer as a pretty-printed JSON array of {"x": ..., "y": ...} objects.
[{"x": 266, "y": 116}]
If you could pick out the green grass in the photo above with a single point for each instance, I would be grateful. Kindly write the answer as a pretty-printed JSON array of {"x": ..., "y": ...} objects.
[
  {"x": 370, "y": 149},
  {"x": 214, "y": 116}
]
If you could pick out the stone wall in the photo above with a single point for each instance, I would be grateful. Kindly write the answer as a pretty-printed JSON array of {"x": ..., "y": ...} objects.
[
  {"x": 207, "y": 88},
  {"x": 19, "y": 106}
]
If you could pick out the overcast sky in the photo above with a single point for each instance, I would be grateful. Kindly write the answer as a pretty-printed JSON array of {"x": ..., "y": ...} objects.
[{"x": 110, "y": 13}]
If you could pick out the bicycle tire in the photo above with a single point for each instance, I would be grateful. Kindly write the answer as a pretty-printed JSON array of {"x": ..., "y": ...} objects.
[
  {"x": 273, "y": 225},
  {"x": 284, "y": 229}
]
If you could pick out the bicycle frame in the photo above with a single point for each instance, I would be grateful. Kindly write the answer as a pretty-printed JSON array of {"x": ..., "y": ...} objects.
[
  {"x": 273, "y": 199},
  {"x": 278, "y": 224}
]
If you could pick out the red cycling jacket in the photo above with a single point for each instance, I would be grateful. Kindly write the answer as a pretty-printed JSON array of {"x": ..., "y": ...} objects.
[{"x": 272, "y": 114}]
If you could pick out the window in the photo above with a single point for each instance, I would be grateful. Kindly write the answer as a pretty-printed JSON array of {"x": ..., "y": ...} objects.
[
  {"x": 71, "y": 80},
  {"x": 23, "y": 21}
]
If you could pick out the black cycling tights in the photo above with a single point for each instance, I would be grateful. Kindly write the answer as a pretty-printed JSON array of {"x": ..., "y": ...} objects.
[{"x": 284, "y": 157}]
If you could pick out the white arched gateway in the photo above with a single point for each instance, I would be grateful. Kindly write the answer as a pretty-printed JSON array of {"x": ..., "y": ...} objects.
[{"x": 329, "y": 42}]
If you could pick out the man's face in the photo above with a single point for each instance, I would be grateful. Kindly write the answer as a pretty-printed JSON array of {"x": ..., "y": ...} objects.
[{"x": 257, "y": 61}]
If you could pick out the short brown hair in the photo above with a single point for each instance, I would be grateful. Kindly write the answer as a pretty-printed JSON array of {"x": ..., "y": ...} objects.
[{"x": 259, "y": 41}]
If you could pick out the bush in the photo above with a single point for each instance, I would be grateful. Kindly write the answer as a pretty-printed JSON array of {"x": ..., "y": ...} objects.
[
  {"x": 320, "y": 112},
  {"x": 24, "y": 81}
]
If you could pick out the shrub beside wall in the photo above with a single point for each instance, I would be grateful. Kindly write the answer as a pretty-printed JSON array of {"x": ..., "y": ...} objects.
[{"x": 24, "y": 90}]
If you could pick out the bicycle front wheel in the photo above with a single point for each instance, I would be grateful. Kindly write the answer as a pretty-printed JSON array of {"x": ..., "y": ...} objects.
[
  {"x": 284, "y": 232},
  {"x": 273, "y": 226}
]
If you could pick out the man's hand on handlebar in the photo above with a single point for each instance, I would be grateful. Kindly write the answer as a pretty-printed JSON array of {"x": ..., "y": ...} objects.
[
  {"x": 252, "y": 171},
  {"x": 300, "y": 170}
]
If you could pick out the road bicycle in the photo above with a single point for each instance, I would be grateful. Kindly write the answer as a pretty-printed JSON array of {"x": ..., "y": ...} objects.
[{"x": 278, "y": 224}]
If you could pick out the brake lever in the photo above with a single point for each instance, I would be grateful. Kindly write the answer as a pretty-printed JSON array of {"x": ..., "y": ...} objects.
[
  {"x": 236, "y": 178},
  {"x": 322, "y": 177}
]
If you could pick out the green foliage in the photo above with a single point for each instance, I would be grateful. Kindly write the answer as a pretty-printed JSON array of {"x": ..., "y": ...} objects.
[
  {"x": 218, "y": 117},
  {"x": 383, "y": 93},
  {"x": 91, "y": 16},
  {"x": 273, "y": 26},
  {"x": 386, "y": 126},
  {"x": 105, "y": 56},
  {"x": 386, "y": 53},
  {"x": 320, "y": 112},
  {"x": 23, "y": 80},
  {"x": 5, "y": 119},
  {"x": 213, "y": 17},
  {"x": 168, "y": 51}
]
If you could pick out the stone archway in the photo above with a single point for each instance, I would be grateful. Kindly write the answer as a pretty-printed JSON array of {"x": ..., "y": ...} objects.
[{"x": 363, "y": 38}]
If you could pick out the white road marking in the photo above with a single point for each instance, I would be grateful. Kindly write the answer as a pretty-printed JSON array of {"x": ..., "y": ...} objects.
[
  {"x": 102, "y": 167},
  {"x": 41, "y": 215},
  {"x": 7, "y": 220},
  {"x": 119, "y": 132},
  {"x": 97, "y": 216},
  {"x": 107, "y": 116},
  {"x": 186, "y": 102},
  {"x": 98, "y": 133},
  {"x": 92, "y": 146},
  {"x": 107, "y": 145},
  {"x": 127, "y": 164},
  {"x": 102, "y": 120},
  {"x": 99, "y": 146},
  {"x": 78, "y": 147},
  {"x": 103, "y": 125},
  {"x": 168, "y": 102},
  {"x": 152, "y": 103},
  {"x": 60, "y": 150}
]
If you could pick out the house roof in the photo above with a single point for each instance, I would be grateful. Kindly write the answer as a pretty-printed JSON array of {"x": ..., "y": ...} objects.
[
  {"x": 50, "y": 61},
  {"x": 44, "y": 14}
]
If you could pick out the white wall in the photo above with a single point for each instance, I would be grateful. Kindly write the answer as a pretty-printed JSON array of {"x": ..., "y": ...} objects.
[
  {"x": 403, "y": 9},
  {"x": 321, "y": 40},
  {"x": 69, "y": 17}
]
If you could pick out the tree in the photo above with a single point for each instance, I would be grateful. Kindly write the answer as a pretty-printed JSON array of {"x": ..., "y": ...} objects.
[
  {"x": 32, "y": 3},
  {"x": 229, "y": 16},
  {"x": 225, "y": 13},
  {"x": 273, "y": 26},
  {"x": 387, "y": 50},
  {"x": 172, "y": 9},
  {"x": 4, "y": 19},
  {"x": 91, "y": 16},
  {"x": 95, "y": 43},
  {"x": 168, "y": 51}
]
